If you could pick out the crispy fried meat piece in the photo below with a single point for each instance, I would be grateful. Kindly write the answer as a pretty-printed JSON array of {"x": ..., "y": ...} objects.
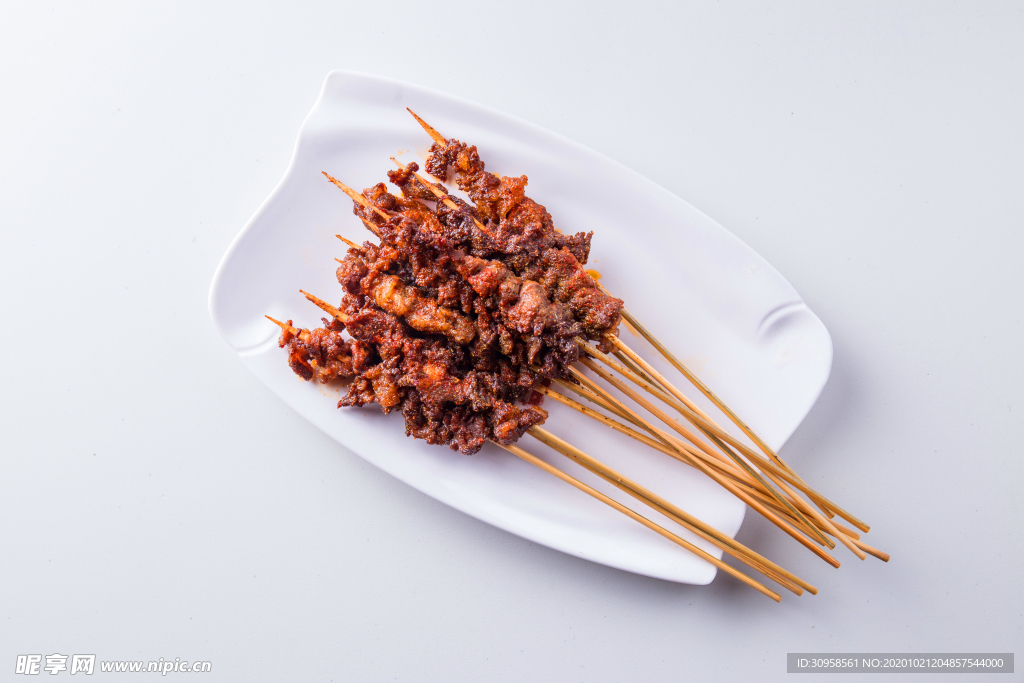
[
  {"x": 521, "y": 233},
  {"x": 516, "y": 313},
  {"x": 564, "y": 281},
  {"x": 411, "y": 188},
  {"x": 319, "y": 354},
  {"x": 441, "y": 401},
  {"x": 515, "y": 224},
  {"x": 526, "y": 309},
  {"x": 389, "y": 291}
]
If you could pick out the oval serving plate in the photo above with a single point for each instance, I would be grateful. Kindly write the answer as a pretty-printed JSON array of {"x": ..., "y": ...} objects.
[{"x": 721, "y": 308}]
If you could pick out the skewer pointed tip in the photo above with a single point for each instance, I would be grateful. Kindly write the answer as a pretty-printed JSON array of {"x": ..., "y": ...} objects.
[
  {"x": 355, "y": 196},
  {"x": 348, "y": 242},
  {"x": 323, "y": 305},
  {"x": 438, "y": 138}
]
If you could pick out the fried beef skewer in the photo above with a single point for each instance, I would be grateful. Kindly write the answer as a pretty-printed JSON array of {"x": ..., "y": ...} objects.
[
  {"x": 511, "y": 224},
  {"x": 448, "y": 154},
  {"x": 378, "y": 192},
  {"x": 319, "y": 354},
  {"x": 466, "y": 159}
]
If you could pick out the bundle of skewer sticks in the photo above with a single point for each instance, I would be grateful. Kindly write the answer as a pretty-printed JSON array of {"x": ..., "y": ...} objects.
[{"x": 756, "y": 475}]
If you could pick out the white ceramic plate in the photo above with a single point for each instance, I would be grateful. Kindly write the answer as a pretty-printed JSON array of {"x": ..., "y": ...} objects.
[{"x": 722, "y": 308}]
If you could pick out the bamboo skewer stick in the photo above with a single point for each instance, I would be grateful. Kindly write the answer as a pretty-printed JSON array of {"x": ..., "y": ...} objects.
[
  {"x": 664, "y": 442},
  {"x": 732, "y": 488},
  {"x": 712, "y": 431},
  {"x": 693, "y": 379},
  {"x": 674, "y": 448},
  {"x": 326, "y": 306},
  {"x": 583, "y": 391},
  {"x": 644, "y": 381},
  {"x": 638, "y": 371},
  {"x": 350, "y": 243},
  {"x": 738, "y": 477},
  {"x": 822, "y": 523},
  {"x": 883, "y": 556},
  {"x": 437, "y": 137},
  {"x": 724, "y": 466},
  {"x": 733, "y": 472},
  {"x": 708, "y": 427},
  {"x": 592, "y": 391},
  {"x": 690, "y": 456},
  {"x": 699, "y": 420},
  {"x": 294, "y": 330},
  {"x": 533, "y": 460},
  {"x": 723, "y": 541},
  {"x": 685, "y": 433},
  {"x": 356, "y": 197},
  {"x": 628, "y": 431},
  {"x": 643, "y": 495}
]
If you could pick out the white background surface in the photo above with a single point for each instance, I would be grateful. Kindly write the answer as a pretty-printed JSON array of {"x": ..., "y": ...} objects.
[{"x": 157, "y": 501}]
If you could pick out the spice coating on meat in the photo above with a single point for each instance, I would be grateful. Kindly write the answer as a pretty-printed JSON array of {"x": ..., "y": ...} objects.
[
  {"x": 514, "y": 317},
  {"x": 514, "y": 224},
  {"x": 461, "y": 310},
  {"x": 391, "y": 293},
  {"x": 319, "y": 354},
  {"x": 564, "y": 281},
  {"x": 521, "y": 233},
  {"x": 441, "y": 400}
]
